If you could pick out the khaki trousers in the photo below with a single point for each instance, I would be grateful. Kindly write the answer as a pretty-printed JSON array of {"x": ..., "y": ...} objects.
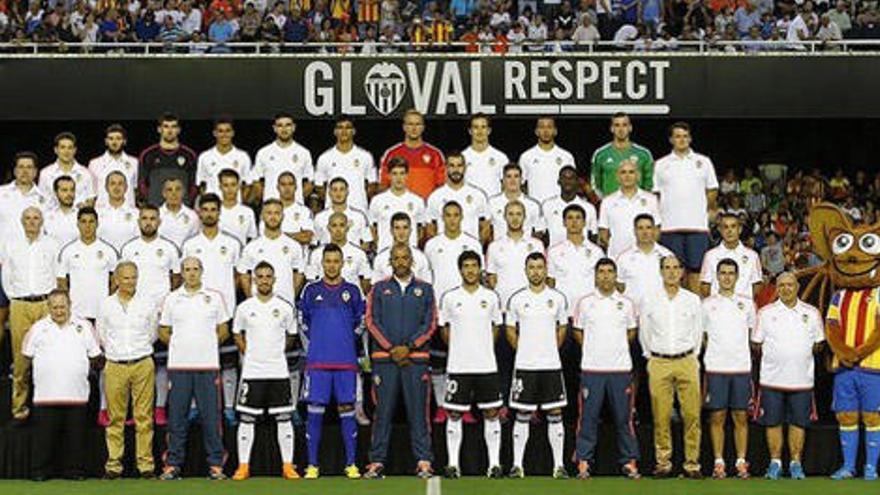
[
  {"x": 121, "y": 381},
  {"x": 22, "y": 315},
  {"x": 667, "y": 377}
]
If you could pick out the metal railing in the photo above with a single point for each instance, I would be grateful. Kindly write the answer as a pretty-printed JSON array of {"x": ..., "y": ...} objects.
[{"x": 658, "y": 47}]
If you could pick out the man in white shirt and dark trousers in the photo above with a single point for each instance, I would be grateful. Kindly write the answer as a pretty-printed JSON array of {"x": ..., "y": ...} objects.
[
  {"x": 728, "y": 319},
  {"x": 789, "y": 332},
  {"x": 192, "y": 324},
  {"x": 671, "y": 334},
  {"x": 605, "y": 327},
  {"x": 541, "y": 163},
  {"x": 537, "y": 320},
  {"x": 59, "y": 349},
  {"x": 470, "y": 317}
]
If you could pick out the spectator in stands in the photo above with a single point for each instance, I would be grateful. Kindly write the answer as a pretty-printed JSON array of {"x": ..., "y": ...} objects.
[
  {"x": 839, "y": 185},
  {"x": 192, "y": 18},
  {"x": 171, "y": 31},
  {"x": 799, "y": 30},
  {"x": 537, "y": 33},
  {"x": 249, "y": 24},
  {"x": 586, "y": 32},
  {"x": 146, "y": 29},
  {"x": 840, "y": 16},
  {"x": 772, "y": 256},
  {"x": 221, "y": 31},
  {"x": 296, "y": 29}
]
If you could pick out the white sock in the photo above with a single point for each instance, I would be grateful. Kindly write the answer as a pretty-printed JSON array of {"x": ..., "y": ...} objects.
[
  {"x": 285, "y": 441},
  {"x": 556, "y": 436},
  {"x": 245, "y": 442},
  {"x": 438, "y": 382},
  {"x": 101, "y": 386},
  {"x": 492, "y": 434},
  {"x": 294, "y": 387},
  {"x": 359, "y": 391},
  {"x": 520, "y": 439},
  {"x": 161, "y": 386},
  {"x": 230, "y": 381},
  {"x": 453, "y": 440}
]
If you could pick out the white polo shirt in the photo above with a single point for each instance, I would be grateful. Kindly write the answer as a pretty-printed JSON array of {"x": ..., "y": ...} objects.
[
  {"x": 127, "y": 332},
  {"x": 605, "y": 322},
  {"x": 29, "y": 268},
  {"x": 748, "y": 261},
  {"x": 193, "y": 318},
  {"x": 640, "y": 271},
  {"x": 297, "y": 218},
  {"x": 358, "y": 226},
  {"x": 421, "y": 266},
  {"x": 355, "y": 264},
  {"x": 537, "y": 315},
  {"x": 61, "y": 360},
  {"x": 104, "y": 165},
  {"x": 272, "y": 160},
  {"x": 443, "y": 253},
  {"x": 117, "y": 225},
  {"x": 89, "y": 267},
  {"x": 728, "y": 322},
  {"x": 574, "y": 267},
  {"x": 471, "y": 318},
  {"x": 86, "y": 184},
  {"x": 533, "y": 223},
  {"x": 385, "y": 205},
  {"x": 13, "y": 202},
  {"x": 266, "y": 326},
  {"x": 551, "y": 212},
  {"x": 357, "y": 167},
  {"x": 506, "y": 258},
  {"x": 474, "y": 204},
  {"x": 671, "y": 325},
  {"x": 787, "y": 336},
  {"x": 541, "y": 170},
  {"x": 211, "y": 162},
  {"x": 61, "y": 225},
  {"x": 220, "y": 258},
  {"x": 283, "y": 253},
  {"x": 180, "y": 226},
  {"x": 239, "y": 221},
  {"x": 682, "y": 183},
  {"x": 617, "y": 214},
  {"x": 156, "y": 261},
  {"x": 485, "y": 169}
]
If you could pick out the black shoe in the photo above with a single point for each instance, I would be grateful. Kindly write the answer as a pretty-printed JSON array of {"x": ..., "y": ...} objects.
[
  {"x": 495, "y": 473},
  {"x": 111, "y": 475},
  {"x": 693, "y": 474},
  {"x": 19, "y": 422},
  {"x": 75, "y": 477},
  {"x": 148, "y": 475},
  {"x": 662, "y": 474},
  {"x": 39, "y": 478},
  {"x": 452, "y": 472}
]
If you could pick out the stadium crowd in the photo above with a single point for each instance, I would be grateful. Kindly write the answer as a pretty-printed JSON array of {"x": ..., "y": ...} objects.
[
  {"x": 216, "y": 288},
  {"x": 498, "y": 25}
]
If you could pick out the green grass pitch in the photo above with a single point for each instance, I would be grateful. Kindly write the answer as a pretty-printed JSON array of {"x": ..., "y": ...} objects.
[{"x": 466, "y": 486}]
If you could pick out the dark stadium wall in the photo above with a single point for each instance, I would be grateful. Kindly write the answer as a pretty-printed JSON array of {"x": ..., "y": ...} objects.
[{"x": 733, "y": 143}]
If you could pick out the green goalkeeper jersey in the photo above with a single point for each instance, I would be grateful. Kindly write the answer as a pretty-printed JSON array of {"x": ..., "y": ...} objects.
[{"x": 607, "y": 159}]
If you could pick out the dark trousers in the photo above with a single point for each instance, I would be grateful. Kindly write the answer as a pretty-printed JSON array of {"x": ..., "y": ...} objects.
[
  {"x": 59, "y": 429},
  {"x": 388, "y": 380},
  {"x": 205, "y": 387},
  {"x": 616, "y": 389}
]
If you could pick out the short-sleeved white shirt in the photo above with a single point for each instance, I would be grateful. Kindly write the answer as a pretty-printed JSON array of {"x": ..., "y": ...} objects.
[
  {"x": 13, "y": 203},
  {"x": 574, "y": 267},
  {"x": 552, "y": 210},
  {"x": 506, "y": 258},
  {"x": 471, "y": 318},
  {"x": 211, "y": 162},
  {"x": 421, "y": 266},
  {"x": 239, "y": 221},
  {"x": 266, "y": 326},
  {"x": 443, "y": 253},
  {"x": 180, "y": 226},
  {"x": 272, "y": 160},
  {"x": 474, "y": 204},
  {"x": 533, "y": 223},
  {"x": 117, "y": 225},
  {"x": 156, "y": 261},
  {"x": 485, "y": 169},
  {"x": 640, "y": 272},
  {"x": 748, "y": 261},
  {"x": 297, "y": 218},
  {"x": 541, "y": 170},
  {"x": 61, "y": 360},
  {"x": 787, "y": 336},
  {"x": 86, "y": 185},
  {"x": 682, "y": 183},
  {"x": 617, "y": 214},
  {"x": 357, "y": 167},
  {"x": 61, "y": 225},
  {"x": 89, "y": 267},
  {"x": 728, "y": 322},
  {"x": 127, "y": 332},
  {"x": 29, "y": 268},
  {"x": 220, "y": 258},
  {"x": 385, "y": 205},
  {"x": 605, "y": 322},
  {"x": 283, "y": 253},
  {"x": 193, "y": 318},
  {"x": 104, "y": 165},
  {"x": 537, "y": 316},
  {"x": 358, "y": 226}
]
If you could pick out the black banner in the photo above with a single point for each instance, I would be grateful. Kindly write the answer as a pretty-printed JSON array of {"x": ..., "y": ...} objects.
[{"x": 255, "y": 87}]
